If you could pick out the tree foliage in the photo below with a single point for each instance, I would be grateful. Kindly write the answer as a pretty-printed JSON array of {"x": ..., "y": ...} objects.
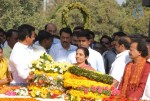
[{"x": 107, "y": 16}]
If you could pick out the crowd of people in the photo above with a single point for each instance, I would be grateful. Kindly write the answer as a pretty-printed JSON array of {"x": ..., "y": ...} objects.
[{"x": 125, "y": 57}]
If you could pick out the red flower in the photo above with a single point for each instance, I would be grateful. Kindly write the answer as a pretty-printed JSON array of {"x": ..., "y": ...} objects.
[
  {"x": 112, "y": 88},
  {"x": 93, "y": 89},
  {"x": 106, "y": 88},
  {"x": 86, "y": 90},
  {"x": 99, "y": 90},
  {"x": 54, "y": 96}
]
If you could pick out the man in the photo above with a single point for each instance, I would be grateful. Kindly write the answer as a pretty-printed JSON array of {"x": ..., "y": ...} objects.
[
  {"x": 45, "y": 41},
  {"x": 136, "y": 71},
  {"x": 110, "y": 55},
  {"x": 22, "y": 55},
  {"x": 11, "y": 38},
  {"x": 60, "y": 52},
  {"x": 52, "y": 29},
  {"x": 74, "y": 40},
  {"x": 122, "y": 47},
  {"x": 95, "y": 59}
]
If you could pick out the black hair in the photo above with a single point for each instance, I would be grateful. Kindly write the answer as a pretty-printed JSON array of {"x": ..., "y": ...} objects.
[
  {"x": 120, "y": 34},
  {"x": 84, "y": 33},
  {"x": 66, "y": 30},
  {"x": 107, "y": 37},
  {"x": 86, "y": 53},
  {"x": 10, "y": 32},
  {"x": 25, "y": 30},
  {"x": 2, "y": 31},
  {"x": 126, "y": 41},
  {"x": 78, "y": 28},
  {"x": 43, "y": 35},
  {"x": 141, "y": 47},
  {"x": 90, "y": 32}
]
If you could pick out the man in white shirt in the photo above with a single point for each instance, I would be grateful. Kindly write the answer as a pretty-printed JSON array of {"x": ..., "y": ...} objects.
[
  {"x": 60, "y": 52},
  {"x": 117, "y": 69},
  {"x": 45, "y": 41},
  {"x": 22, "y": 55},
  {"x": 95, "y": 59}
]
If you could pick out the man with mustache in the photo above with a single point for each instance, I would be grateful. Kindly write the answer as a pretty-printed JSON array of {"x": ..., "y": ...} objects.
[
  {"x": 136, "y": 72},
  {"x": 60, "y": 51}
]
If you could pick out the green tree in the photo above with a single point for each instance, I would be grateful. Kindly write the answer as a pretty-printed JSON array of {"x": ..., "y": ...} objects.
[{"x": 132, "y": 24}]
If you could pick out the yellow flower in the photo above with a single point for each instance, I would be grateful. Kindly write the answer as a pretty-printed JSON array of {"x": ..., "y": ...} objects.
[
  {"x": 71, "y": 80},
  {"x": 33, "y": 93},
  {"x": 56, "y": 92}
]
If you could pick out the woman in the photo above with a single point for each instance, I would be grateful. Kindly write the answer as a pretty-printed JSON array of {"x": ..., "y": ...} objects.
[
  {"x": 5, "y": 76},
  {"x": 82, "y": 55}
]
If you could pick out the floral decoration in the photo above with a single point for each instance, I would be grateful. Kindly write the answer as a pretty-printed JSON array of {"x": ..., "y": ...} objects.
[
  {"x": 47, "y": 81},
  {"x": 86, "y": 89},
  {"x": 82, "y": 8}
]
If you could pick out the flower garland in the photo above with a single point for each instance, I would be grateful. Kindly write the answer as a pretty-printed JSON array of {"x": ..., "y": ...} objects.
[
  {"x": 71, "y": 80},
  {"x": 96, "y": 76},
  {"x": 79, "y": 6},
  {"x": 47, "y": 77},
  {"x": 85, "y": 89}
]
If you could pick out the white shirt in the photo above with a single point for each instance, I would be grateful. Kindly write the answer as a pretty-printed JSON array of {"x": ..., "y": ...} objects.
[
  {"x": 118, "y": 66},
  {"x": 38, "y": 50},
  {"x": 59, "y": 54},
  {"x": 20, "y": 60},
  {"x": 146, "y": 94},
  {"x": 95, "y": 60},
  {"x": 55, "y": 41}
]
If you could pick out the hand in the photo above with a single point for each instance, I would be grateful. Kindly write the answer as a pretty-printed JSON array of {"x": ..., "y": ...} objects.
[
  {"x": 30, "y": 77},
  {"x": 9, "y": 77}
]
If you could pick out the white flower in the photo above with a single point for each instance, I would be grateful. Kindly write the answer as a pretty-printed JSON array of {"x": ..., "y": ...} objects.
[
  {"x": 59, "y": 77},
  {"x": 50, "y": 78},
  {"x": 22, "y": 91},
  {"x": 61, "y": 71},
  {"x": 38, "y": 93},
  {"x": 55, "y": 70},
  {"x": 33, "y": 69},
  {"x": 42, "y": 60}
]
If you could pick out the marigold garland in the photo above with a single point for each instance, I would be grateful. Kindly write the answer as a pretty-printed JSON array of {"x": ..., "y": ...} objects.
[
  {"x": 93, "y": 75},
  {"x": 71, "y": 80},
  {"x": 79, "y": 6}
]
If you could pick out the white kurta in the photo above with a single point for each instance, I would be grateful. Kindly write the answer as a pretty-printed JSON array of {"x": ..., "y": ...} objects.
[
  {"x": 20, "y": 61},
  {"x": 118, "y": 66},
  {"x": 146, "y": 94}
]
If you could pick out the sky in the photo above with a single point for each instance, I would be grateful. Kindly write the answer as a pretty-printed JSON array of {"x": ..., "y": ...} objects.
[{"x": 120, "y": 1}]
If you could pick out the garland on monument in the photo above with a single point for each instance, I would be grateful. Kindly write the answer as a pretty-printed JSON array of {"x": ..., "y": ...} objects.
[{"x": 83, "y": 10}]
